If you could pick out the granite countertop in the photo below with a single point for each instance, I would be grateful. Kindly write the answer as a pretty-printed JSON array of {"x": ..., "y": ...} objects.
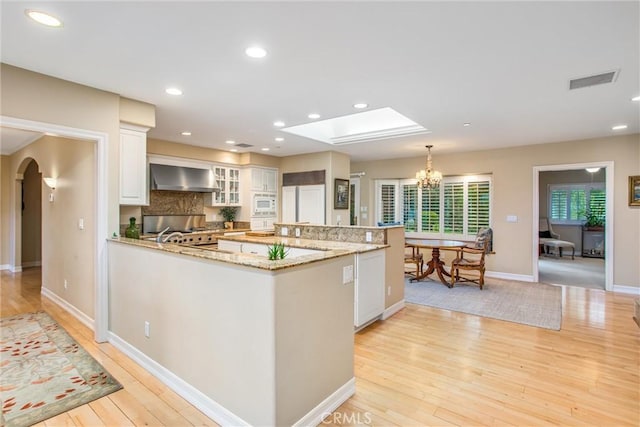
[{"x": 326, "y": 250}]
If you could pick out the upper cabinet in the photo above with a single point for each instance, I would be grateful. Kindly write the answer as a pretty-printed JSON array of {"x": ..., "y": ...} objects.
[
  {"x": 265, "y": 180},
  {"x": 133, "y": 165},
  {"x": 228, "y": 181}
]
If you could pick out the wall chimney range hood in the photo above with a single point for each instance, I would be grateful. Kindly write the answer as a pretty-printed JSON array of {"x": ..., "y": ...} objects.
[{"x": 180, "y": 178}]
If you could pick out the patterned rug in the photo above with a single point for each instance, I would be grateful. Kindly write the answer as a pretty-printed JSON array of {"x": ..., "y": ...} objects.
[
  {"x": 534, "y": 304},
  {"x": 44, "y": 372}
]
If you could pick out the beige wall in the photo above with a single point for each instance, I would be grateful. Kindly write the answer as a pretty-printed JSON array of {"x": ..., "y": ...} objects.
[
  {"x": 336, "y": 165},
  {"x": 31, "y": 215},
  {"x": 67, "y": 251},
  {"x": 512, "y": 170}
]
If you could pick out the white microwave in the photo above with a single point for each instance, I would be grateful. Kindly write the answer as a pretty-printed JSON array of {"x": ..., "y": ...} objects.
[{"x": 264, "y": 205}]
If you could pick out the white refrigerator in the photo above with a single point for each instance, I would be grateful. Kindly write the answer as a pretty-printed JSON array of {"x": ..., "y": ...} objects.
[{"x": 303, "y": 203}]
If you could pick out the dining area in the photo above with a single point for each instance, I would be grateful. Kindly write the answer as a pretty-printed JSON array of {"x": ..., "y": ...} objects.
[{"x": 424, "y": 258}]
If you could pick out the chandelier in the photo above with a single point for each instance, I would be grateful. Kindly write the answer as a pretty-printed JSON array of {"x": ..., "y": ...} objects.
[{"x": 428, "y": 178}]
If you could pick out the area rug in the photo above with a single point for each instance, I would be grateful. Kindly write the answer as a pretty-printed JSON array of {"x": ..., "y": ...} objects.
[
  {"x": 44, "y": 372},
  {"x": 534, "y": 304}
]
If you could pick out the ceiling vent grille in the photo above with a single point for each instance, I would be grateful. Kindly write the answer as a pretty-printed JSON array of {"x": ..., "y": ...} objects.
[
  {"x": 598, "y": 79},
  {"x": 243, "y": 145}
]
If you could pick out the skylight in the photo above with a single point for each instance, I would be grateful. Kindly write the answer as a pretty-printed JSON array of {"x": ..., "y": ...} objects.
[{"x": 371, "y": 125}]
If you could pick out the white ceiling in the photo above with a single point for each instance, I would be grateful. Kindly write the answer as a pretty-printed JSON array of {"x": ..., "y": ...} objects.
[{"x": 502, "y": 66}]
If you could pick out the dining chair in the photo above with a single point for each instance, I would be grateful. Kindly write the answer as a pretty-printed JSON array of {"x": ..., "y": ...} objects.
[
  {"x": 413, "y": 261},
  {"x": 471, "y": 258}
]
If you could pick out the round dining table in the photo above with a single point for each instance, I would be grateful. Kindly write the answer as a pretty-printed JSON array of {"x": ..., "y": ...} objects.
[{"x": 435, "y": 263}]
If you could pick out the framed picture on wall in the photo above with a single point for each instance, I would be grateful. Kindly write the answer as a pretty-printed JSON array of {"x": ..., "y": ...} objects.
[
  {"x": 341, "y": 191},
  {"x": 634, "y": 190}
]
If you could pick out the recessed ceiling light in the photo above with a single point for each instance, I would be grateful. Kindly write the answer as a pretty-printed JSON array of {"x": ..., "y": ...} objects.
[
  {"x": 314, "y": 116},
  {"x": 265, "y": 149},
  {"x": 229, "y": 142},
  {"x": 637, "y": 98},
  {"x": 186, "y": 133},
  {"x": 466, "y": 124},
  {"x": 360, "y": 105},
  {"x": 234, "y": 150},
  {"x": 278, "y": 123},
  {"x": 255, "y": 52},
  {"x": 173, "y": 91},
  {"x": 619, "y": 127},
  {"x": 279, "y": 139},
  {"x": 43, "y": 18}
]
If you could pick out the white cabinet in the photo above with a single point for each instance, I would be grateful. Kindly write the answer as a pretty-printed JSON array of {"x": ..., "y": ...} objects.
[
  {"x": 133, "y": 165},
  {"x": 303, "y": 203},
  {"x": 264, "y": 180},
  {"x": 228, "y": 180},
  {"x": 369, "y": 286},
  {"x": 262, "y": 223}
]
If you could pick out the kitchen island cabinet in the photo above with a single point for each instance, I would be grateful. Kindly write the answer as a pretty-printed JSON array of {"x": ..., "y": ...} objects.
[{"x": 242, "y": 338}]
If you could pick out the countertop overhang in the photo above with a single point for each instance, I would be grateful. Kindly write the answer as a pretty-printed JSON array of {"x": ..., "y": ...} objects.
[{"x": 326, "y": 250}]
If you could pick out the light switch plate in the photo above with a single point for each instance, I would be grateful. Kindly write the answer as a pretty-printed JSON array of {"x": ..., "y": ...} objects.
[
  {"x": 284, "y": 231},
  {"x": 368, "y": 237},
  {"x": 512, "y": 218},
  {"x": 297, "y": 232}
]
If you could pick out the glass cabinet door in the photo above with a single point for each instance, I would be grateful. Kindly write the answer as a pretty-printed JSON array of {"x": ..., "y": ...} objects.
[
  {"x": 234, "y": 186},
  {"x": 220, "y": 174}
]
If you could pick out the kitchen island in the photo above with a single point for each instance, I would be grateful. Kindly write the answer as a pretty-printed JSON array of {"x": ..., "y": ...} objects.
[{"x": 247, "y": 340}]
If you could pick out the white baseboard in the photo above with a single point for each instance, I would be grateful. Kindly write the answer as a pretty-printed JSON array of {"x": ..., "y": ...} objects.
[
  {"x": 5, "y": 266},
  {"x": 15, "y": 268},
  {"x": 393, "y": 310},
  {"x": 83, "y": 318},
  {"x": 29, "y": 264},
  {"x": 209, "y": 407},
  {"x": 327, "y": 406},
  {"x": 626, "y": 289}
]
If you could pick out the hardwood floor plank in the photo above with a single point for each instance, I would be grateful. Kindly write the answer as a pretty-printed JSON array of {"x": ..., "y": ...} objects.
[{"x": 421, "y": 367}]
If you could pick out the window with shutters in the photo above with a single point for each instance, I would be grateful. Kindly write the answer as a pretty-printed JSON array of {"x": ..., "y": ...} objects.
[
  {"x": 568, "y": 203},
  {"x": 387, "y": 202},
  {"x": 455, "y": 210}
]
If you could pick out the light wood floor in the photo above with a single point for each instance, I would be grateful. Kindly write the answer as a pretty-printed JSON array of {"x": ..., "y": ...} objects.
[{"x": 422, "y": 367}]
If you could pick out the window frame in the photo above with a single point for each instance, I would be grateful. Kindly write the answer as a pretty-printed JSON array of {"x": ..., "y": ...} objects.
[
  {"x": 440, "y": 234},
  {"x": 572, "y": 187}
]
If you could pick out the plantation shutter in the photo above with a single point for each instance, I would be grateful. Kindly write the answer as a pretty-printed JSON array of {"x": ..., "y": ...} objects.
[
  {"x": 453, "y": 208},
  {"x": 597, "y": 203},
  {"x": 410, "y": 207},
  {"x": 478, "y": 206},
  {"x": 430, "y": 210},
  {"x": 577, "y": 204},
  {"x": 558, "y": 205},
  {"x": 388, "y": 203}
]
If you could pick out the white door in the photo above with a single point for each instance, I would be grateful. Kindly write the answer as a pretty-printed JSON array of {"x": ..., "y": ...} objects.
[
  {"x": 311, "y": 204},
  {"x": 289, "y": 204}
]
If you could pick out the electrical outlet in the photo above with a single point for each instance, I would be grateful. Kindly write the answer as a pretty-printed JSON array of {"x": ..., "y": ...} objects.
[
  {"x": 284, "y": 231},
  {"x": 297, "y": 232},
  {"x": 66, "y": 284},
  {"x": 388, "y": 290},
  {"x": 368, "y": 236},
  {"x": 81, "y": 223},
  {"x": 147, "y": 329},
  {"x": 347, "y": 274}
]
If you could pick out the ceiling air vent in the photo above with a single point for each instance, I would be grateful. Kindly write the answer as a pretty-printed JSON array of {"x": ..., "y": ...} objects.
[
  {"x": 598, "y": 79},
  {"x": 243, "y": 145}
]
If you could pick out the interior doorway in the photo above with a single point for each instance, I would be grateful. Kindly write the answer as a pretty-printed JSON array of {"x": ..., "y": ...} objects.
[
  {"x": 31, "y": 205},
  {"x": 562, "y": 194}
]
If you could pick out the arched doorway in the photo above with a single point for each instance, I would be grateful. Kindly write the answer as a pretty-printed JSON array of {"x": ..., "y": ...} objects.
[{"x": 31, "y": 205}]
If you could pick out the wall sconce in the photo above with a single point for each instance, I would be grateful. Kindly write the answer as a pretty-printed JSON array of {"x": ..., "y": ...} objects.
[{"x": 51, "y": 183}]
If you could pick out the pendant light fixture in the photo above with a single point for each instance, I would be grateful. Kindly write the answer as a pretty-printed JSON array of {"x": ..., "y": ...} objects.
[{"x": 428, "y": 178}]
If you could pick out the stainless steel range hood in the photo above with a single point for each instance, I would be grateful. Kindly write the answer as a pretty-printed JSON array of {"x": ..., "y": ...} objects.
[{"x": 180, "y": 178}]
